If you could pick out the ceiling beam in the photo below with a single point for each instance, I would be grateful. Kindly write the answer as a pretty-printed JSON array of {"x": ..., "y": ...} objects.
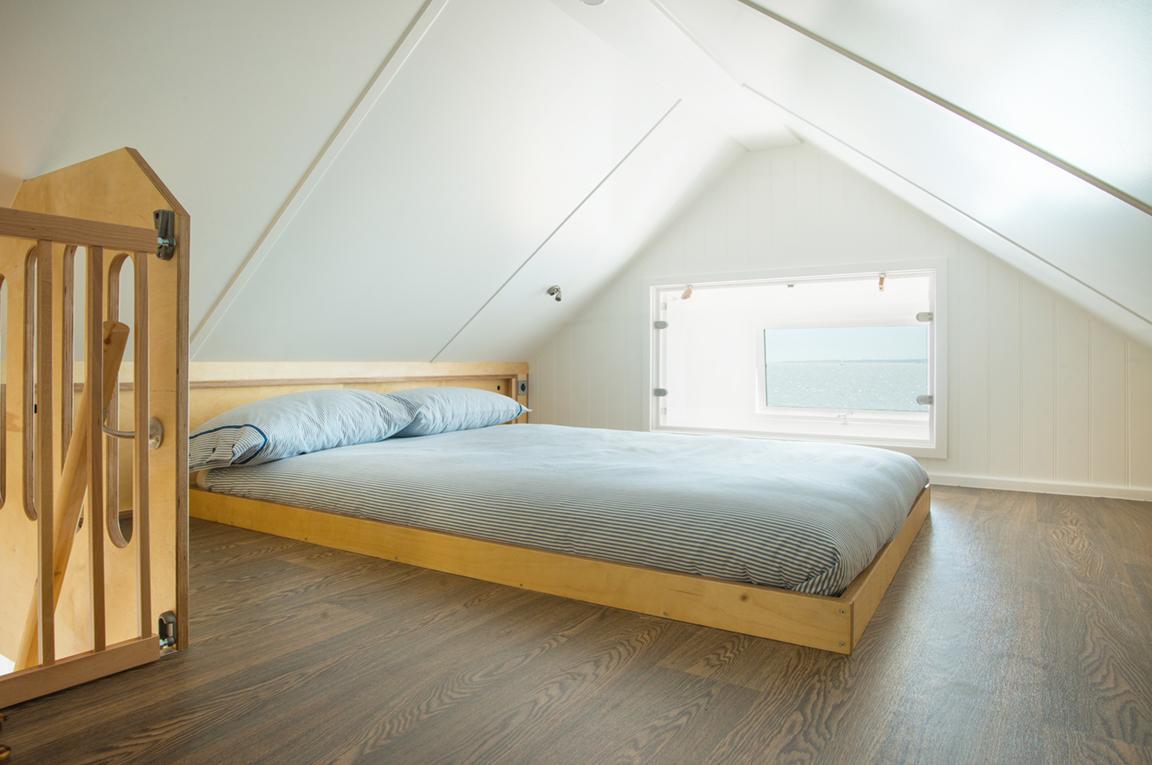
[{"x": 956, "y": 109}]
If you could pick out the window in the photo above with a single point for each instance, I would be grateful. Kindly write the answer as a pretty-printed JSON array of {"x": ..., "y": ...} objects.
[{"x": 852, "y": 358}]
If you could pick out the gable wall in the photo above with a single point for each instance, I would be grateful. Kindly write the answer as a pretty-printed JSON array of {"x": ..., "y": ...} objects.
[{"x": 1041, "y": 394}]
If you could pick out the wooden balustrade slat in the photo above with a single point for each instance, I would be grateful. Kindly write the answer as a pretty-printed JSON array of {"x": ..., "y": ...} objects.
[
  {"x": 140, "y": 396},
  {"x": 74, "y": 481},
  {"x": 62, "y": 230},
  {"x": 29, "y": 293},
  {"x": 94, "y": 385},
  {"x": 43, "y": 455}
]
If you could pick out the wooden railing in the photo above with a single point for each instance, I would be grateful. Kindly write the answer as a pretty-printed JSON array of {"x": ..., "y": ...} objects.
[{"x": 61, "y": 459}]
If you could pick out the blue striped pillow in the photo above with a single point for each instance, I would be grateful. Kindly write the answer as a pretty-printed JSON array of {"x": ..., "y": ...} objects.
[
  {"x": 442, "y": 410},
  {"x": 297, "y": 423}
]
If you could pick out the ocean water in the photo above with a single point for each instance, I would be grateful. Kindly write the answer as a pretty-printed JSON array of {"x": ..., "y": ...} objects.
[{"x": 887, "y": 386}]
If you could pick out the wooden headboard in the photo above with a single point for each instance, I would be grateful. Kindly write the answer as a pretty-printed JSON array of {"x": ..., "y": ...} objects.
[{"x": 219, "y": 386}]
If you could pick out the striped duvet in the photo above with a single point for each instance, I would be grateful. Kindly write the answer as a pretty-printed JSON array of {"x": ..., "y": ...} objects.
[{"x": 802, "y": 516}]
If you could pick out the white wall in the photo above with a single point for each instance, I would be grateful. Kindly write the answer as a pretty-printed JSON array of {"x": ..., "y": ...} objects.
[{"x": 1042, "y": 395}]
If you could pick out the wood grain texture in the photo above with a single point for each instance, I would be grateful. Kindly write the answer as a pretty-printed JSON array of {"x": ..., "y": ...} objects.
[
  {"x": 24, "y": 224},
  {"x": 807, "y": 619},
  {"x": 1015, "y": 631},
  {"x": 829, "y": 623},
  {"x": 82, "y": 668},
  {"x": 109, "y": 200}
]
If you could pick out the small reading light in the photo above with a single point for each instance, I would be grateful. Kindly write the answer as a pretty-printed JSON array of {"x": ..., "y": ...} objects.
[{"x": 554, "y": 292}]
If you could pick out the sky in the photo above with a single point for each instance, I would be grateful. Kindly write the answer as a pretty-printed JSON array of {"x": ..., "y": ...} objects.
[{"x": 846, "y": 344}]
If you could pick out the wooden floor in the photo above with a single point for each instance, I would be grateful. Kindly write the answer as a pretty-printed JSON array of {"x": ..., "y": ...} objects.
[{"x": 1019, "y": 630}]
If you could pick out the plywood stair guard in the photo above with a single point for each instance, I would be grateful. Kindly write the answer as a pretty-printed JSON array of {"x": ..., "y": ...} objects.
[{"x": 93, "y": 463}]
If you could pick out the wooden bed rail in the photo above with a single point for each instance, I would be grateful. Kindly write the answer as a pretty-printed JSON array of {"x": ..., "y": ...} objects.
[{"x": 82, "y": 597}]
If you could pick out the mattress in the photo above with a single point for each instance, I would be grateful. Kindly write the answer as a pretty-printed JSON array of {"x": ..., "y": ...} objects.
[{"x": 801, "y": 516}]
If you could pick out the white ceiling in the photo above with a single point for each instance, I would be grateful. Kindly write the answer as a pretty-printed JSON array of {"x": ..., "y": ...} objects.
[
  {"x": 617, "y": 221},
  {"x": 229, "y": 102},
  {"x": 404, "y": 180},
  {"x": 475, "y": 160},
  {"x": 1086, "y": 244},
  {"x": 1072, "y": 77}
]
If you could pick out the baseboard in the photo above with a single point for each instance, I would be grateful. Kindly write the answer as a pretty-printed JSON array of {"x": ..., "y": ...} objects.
[{"x": 1110, "y": 491}]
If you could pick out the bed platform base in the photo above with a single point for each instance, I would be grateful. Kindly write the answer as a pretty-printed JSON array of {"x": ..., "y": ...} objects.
[{"x": 829, "y": 623}]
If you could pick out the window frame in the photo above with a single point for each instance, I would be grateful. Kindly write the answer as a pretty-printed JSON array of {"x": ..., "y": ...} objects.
[{"x": 935, "y": 269}]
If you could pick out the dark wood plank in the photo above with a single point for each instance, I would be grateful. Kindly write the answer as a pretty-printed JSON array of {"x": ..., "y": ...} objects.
[{"x": 1017, "y": 630}]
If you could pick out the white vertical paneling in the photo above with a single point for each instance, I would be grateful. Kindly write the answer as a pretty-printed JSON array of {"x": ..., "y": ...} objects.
[
  {"x": 1037, "y": 362},
  {"x": 541, "y": 398},
  {"x": 565, "y": 357},
  {"x": 968, "y": 447},
  {"x": 1139, "y": 436},
  {"x": 1041, "y": 395},
  {"x": 1073, "y": 393},
  {"x": 783, "y": 204},
  {"x": 760, "y": 211},
  {"x": 1107, "y": 426},
  {"x": 740, "y": 218},
  {"x": 582, "y": 375},
  {"x": 1005, "y": 402}
]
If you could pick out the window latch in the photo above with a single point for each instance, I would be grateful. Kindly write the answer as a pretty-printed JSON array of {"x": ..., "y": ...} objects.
[
  {"x": 925, "y": 400},
  {"x": 659, "y": 392},
  {"x": 660, "y": 324},
  {"x": 925, "y": 316}
]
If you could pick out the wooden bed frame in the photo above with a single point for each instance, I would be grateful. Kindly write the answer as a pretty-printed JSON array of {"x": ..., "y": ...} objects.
[{"x": 829, "y": 623}]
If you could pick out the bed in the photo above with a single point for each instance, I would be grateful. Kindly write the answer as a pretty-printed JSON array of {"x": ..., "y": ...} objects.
[{"x": 784, "y": 540}]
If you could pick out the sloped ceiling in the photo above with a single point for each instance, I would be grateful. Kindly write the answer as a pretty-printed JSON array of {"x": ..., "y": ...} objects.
[
  {"x": 1087, "y": 244},
  {"x": 230, "y": 102},
  {"x": 1074, "y": 78},
  {"x": 513, "y": 150},
  {"x": 405, "y": 179},
  {"x": 397, "y": 180}
]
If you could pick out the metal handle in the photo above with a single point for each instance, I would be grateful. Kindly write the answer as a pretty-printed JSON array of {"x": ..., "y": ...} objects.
[{"x": 155, "y": 431}]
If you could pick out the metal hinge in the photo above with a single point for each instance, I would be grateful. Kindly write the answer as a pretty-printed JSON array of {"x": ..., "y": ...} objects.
[
  {"x": 925, "y": 316},
  {"x": 661, "y": 324},
  {"x": 166, "y": 629},
  {"x": 659, "y": 392},
  {"x": 165, "y": 222},
  {"x": 925, "y": 400}
]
